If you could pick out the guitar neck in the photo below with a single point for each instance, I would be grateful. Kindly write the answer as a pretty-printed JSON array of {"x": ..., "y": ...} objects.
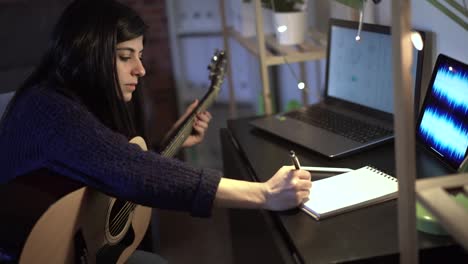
[
  {"x": 186, "y": 128},
  {"x": 216, "y": 75}
]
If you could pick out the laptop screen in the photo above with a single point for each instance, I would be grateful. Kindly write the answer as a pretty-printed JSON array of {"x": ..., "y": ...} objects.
[
  {"x": 443, "y": 123},
  {"x": 361, "y": 72}
]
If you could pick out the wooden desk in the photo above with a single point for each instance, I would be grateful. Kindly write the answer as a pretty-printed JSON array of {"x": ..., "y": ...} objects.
[{"x": 366, "y": 235}]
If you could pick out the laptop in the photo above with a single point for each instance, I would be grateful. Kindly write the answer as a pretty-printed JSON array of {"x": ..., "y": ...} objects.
[
  {"x": 442, "y": 126},
  {"x": 357, "y": 109}
]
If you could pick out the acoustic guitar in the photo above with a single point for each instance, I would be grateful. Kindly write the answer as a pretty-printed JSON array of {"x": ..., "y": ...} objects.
[{"x": 71, "y": 223}]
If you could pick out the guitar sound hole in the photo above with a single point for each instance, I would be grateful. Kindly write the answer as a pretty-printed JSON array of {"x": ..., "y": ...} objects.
[{"x": 119, "y": 216}]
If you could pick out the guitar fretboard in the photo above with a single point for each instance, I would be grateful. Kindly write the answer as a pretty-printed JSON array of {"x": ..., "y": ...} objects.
[
  {"x": 176, "y": 142},
  {"x": 217, "y": 76}
]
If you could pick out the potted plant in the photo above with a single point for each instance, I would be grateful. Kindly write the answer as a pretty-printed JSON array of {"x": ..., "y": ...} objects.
[{"x": 289, "y": 20}]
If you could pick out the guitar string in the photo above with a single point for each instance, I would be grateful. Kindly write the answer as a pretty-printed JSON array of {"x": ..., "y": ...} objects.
[
  {"x": 122, "y": 211},
  {"x": 122, "y": 221},
  {"x": 172, "y": 149},
  {"x": 176, "y": 145},
  {"x": 179, "y": 140},
  {"x": 118, "y": 218},
  {"x": 117, "y": 222},
  {"x": 120, "y": 225}
]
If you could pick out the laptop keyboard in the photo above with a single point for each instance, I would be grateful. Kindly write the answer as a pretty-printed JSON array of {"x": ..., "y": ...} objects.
[{"x": 340, "y": 124}]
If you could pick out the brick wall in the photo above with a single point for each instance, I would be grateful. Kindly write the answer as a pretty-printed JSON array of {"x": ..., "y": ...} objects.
[{"x": 26, "y": 27}]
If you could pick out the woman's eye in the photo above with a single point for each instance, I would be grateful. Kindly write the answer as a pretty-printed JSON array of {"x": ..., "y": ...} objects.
[{"x": 123, "y": 58}]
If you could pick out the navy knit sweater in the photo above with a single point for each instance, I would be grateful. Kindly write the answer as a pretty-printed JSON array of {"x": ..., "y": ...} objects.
[{"x": 45, "y": 129}]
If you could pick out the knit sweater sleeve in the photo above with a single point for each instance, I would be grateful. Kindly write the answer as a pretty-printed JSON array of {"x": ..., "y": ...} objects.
[{"x": 79, "y": 146}]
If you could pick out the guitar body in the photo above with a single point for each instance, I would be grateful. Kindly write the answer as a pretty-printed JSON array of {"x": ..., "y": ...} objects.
[
  {"x": 68, "y": 223},
  {"x": 70, "y": 231}
]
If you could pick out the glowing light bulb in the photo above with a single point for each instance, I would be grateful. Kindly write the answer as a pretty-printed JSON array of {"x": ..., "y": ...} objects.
[
  {"x": 358, "y": 38},
  {"x": 450, "y": 68},
  {"x": 416, "y": 39},
  {"x": 301, "y": 85},
  {"x": 282, "y": 28},
  {"x": 215, "y": 58}
]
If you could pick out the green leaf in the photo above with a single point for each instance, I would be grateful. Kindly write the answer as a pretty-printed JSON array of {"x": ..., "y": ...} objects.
[
  {"x": 357, "y": 4},
  {"x": 282, "y": 5},
  {"x": 445, "y": 10}
]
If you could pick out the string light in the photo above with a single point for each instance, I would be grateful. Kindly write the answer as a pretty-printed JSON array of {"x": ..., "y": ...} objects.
[
  {"x": 361, "y": 18},
  {"x": 282, "y": 28}
]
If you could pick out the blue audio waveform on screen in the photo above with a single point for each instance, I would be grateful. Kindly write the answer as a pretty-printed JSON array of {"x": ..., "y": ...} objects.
[
  {"x": 446, "y": 134},
  {"x": 452, "y": 87}
]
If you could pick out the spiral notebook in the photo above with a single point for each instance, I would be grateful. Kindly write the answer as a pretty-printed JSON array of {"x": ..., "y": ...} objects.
[{"x": 349, "y": 191}]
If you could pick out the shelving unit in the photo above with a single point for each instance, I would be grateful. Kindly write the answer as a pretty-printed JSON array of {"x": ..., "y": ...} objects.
[
  {"x": 433, "y": 192},
  {"x": 299, "y": 53},
  {"x": 270, "y": 53}
]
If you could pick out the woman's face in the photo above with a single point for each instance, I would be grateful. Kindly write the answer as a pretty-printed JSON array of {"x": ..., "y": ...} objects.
[{"x": 129, "y": 65}]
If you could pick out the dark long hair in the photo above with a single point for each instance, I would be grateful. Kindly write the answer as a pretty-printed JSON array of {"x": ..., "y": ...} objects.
[{"x": 80, "y": 61}]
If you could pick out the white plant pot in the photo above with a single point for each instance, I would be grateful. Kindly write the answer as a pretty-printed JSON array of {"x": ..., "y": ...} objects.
[{"x": 296, "y": 27}]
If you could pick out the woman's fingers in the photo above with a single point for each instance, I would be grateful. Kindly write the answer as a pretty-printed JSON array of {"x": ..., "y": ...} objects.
[
  {"x": 288, "y": 188},
  {"x": 200, "y": 124},
  {"x": 305, "y": 175},
  {"x": 204, "y": 116}
]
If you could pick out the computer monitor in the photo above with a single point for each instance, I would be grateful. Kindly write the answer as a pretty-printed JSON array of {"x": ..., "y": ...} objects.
[
  {"x": 442, "y": 127},
  {"x": 361, "y": 72}
]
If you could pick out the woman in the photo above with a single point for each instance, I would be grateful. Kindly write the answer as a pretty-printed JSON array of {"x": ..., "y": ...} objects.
[{"x": 75, "y": 114}]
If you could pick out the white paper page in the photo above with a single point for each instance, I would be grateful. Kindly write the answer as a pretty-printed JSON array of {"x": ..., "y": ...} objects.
[{"x": 348, "y": 189}]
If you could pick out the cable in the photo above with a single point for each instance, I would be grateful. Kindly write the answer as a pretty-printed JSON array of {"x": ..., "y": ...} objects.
[
  {"x": 361, "y": 18},
  {"x": 288, "y": 65}
]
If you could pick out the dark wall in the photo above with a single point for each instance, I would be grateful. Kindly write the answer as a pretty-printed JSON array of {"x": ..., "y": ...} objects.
[{"x": 25, "y": 27}]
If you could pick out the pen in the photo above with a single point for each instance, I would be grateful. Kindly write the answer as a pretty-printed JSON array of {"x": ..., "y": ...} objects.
[
  {"x": 326, "y": 169},
  {"x": 295, "y": 160}
]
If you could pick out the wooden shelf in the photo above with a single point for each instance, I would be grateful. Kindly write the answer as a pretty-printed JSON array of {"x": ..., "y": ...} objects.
[
  {"x": 249, "y": 43},
  {"x": 189, "y": 34},
  {"x": 277, "y": 54},
  {"x": 270, "y": 53}
]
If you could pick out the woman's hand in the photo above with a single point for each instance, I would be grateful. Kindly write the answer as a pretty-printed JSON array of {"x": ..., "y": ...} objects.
[
  {"x": 287, "y": 189},
  {"x": 200, "y": 125}
]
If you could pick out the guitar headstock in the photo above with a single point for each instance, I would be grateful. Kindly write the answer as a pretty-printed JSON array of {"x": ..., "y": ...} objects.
[{"x": 217, "y": 68}]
